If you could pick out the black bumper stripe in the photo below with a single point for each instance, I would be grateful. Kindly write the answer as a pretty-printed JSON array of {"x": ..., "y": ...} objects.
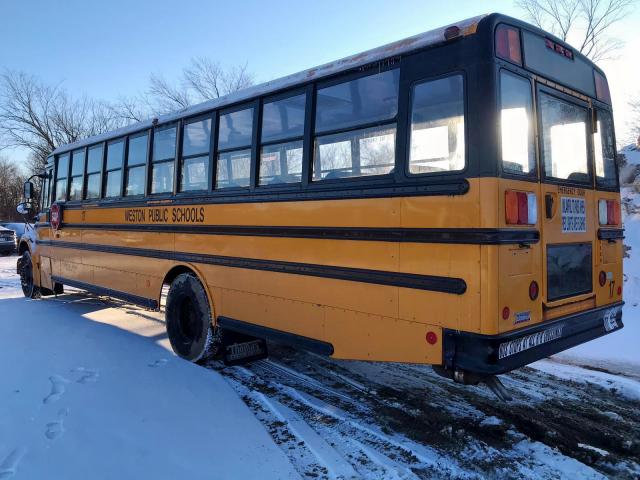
[
  {"x": 473, "y": 236},
  {"x": 379, "y": 277}
]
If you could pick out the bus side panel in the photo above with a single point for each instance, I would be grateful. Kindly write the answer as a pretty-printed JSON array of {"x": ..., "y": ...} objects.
[
  {"x": 448, "y": 310},
  {"x": 362, "y": 336},
  {"x": 348, "y": 295}
]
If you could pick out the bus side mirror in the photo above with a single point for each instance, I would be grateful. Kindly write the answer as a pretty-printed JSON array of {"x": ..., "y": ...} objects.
[
  {"x": 23, "y": 208},
  {"x": 28, "y": 190}
]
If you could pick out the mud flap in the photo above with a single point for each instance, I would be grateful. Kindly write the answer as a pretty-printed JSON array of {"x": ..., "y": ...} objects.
[{"x": 239, "y": 349}]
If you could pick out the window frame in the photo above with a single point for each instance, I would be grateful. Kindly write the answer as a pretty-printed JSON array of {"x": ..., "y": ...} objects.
[
  {"x": 596, "y": 106},
  {"x": 253, "y": 147},
  {"x": 45, "y": 195},
  {"x": 66, "y": 177},
  {"x": 313, "y": 161},
  {"x": 145, "y": 165},
  {"x": 465, "y": 109},
  {"x": 211, "y": 115},
  {"x": 152, "y": 162},
  {"x": 99, "y": 172},
  {"x": 544, "y": 178},
  {"x": 106, "y": 171},
  {"x": 307, "y": 91},
  {"x": 82, "y": 175},
  {"x": 531, "y": 176}
]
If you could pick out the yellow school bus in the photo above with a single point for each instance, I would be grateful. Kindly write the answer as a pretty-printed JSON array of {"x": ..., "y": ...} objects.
[{"x": 448, "y": 199}]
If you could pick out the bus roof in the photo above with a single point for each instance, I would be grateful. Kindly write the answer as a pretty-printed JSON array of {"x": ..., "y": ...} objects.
[{"x": 422, "y": 40}]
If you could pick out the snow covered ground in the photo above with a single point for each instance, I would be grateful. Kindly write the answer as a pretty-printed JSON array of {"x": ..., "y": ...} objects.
[
  {"x": 90, "y": 389},
  {"x": 86, "y": 392}
]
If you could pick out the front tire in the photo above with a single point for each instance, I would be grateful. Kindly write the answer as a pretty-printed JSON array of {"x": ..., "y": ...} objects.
[
  {"x": 29, "y": 288},
  {"x": 188, "y": 319}
]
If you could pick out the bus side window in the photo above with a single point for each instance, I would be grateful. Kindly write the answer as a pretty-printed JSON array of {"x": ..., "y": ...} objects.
[
  {"x": 62, "y": 171},
  {"x": 516, "y": 113},
  {"x": 437, "y": 126},
  {"x": 77, "y": 174},
  {"x": 281, "y": 137},
  {"x": 194, "y": 169},
  {"x": 94, "y": 170},
  {"x": 136, "y": 164},
  {"x": 235, "y": 133},
  {"x": 341, "y": 148},
  {"x": 113, "y": 172},
  {"x": 163, "y": 162}
]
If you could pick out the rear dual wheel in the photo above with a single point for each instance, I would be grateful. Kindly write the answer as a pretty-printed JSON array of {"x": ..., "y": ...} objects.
[{"x": 188, "y": 319}]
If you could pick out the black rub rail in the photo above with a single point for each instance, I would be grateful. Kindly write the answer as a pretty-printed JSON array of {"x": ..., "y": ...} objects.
[
  {"x": 473, "y": 236},
  {"x": 432, "y": 283}
]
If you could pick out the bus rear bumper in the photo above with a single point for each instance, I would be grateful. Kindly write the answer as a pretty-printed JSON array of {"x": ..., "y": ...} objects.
[{"x": 496, "y": 354}]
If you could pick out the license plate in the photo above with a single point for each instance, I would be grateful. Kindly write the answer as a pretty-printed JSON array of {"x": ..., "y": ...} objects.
[
  {"x": 533, "y": 340},
  {"x": 609, "y": 319},
  {"x": 574, "y": 214}
]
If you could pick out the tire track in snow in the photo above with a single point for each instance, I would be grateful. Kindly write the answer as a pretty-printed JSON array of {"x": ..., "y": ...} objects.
[{"x": 385, "y": 456}]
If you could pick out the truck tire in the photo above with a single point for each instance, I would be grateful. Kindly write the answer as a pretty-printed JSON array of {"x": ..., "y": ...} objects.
[
  {"x": 188, "y": 319},
  {"x": 29, "y": 288}
]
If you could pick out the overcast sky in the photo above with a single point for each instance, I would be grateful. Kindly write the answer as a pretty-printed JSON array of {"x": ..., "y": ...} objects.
[{"x": 108, "y": 49}]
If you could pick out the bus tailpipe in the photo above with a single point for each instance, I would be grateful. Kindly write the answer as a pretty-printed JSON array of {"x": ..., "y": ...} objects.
[{"x": 469, "y": 378}]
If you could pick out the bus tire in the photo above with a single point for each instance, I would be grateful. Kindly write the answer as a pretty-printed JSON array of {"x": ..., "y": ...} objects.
[
  {"x": 188, "y": 319},
  {"x": 29, "y": 288}
]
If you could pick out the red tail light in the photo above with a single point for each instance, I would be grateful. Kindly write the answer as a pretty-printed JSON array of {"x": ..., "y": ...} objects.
[
  {"x": 521, "y": 208},
  {"x": 533, "y": 290},
  {"x": 508, "y": 44},
  {"x": 609, "y": 212},
  {"x": 602, "y": 278}
]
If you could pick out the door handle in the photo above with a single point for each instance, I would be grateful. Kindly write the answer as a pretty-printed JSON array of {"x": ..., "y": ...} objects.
[{"x": 549, "y": 201}]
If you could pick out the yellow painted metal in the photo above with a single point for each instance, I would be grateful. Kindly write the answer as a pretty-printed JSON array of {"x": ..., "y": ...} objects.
[{"x": 361, "y": 320}]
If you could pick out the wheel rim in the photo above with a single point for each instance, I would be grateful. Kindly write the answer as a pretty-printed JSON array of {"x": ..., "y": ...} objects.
[
  {"x": 26, "y": 275},
  {"x": 188, "y": 321}
]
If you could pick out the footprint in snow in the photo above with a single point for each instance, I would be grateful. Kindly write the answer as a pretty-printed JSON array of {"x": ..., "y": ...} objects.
[
  {"x": 158, "y": 363},
  {"x": 9, "y": 465},
  {"x": 55, "y": 429},
  {"x": 57, "y": 388},
  {"x": 85, "y": 375}
]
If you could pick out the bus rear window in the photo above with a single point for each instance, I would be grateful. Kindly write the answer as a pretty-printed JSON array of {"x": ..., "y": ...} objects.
[
  {"x": 604, "y": 151},
  {"x": 564, "y": 139},
  {"x": 518, "y": 149}
]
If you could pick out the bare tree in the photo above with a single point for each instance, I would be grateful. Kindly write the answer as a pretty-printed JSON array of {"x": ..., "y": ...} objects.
[
  {"x": 585, "y": 23},
  {"x": 209, "y": 80},
  {"x": 202, "y": 80},
  {"x": 41, "y": 117},
  {"x": 11, "y": 179},
  {"x": 168, "y": 97}
]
